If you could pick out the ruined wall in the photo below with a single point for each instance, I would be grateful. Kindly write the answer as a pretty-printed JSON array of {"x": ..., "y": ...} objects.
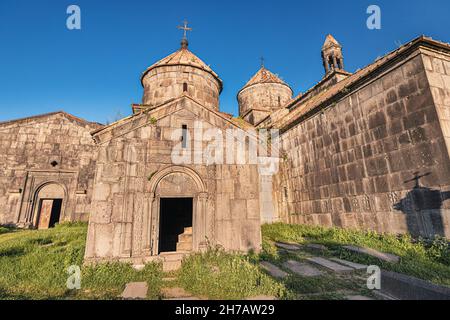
[
  {"x": 27, "y": 149},
  {"x": 135, "y": 158},
  {"x": 349, "y": 165}
]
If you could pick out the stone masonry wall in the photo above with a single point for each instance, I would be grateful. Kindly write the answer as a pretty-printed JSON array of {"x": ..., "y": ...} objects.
[
  {"x": 27, "y": 148},
  {"x": 353, "y": 165},
  {"x": 134, "y": 156}
]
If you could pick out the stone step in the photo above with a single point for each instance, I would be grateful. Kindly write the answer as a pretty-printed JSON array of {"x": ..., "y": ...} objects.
[
  {"x": 171, "y": 265},
  {"x": 184, "y": 246},
  {"x": 273, "y": 270},
  {"x": 188, "y": 230},
  {"x": 330, "y": 265},
  {"x": 350, "y": 264},
  {"x": 175, "y": 293},
  {"x": 388, "y": 257},
  {"x": 185, "y": 237},
  {"x": 288, "y": 246},
  {"x": 302, "y": 269},
  {"x": 172, "y": 256},
  {"x": 135, "y": 290}
]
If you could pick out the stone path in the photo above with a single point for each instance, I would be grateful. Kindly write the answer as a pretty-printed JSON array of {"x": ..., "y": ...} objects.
[
  {"x": 388, "y": 257},
  {"x": 350, "y": 264},
  {"x": 135, "y": 290},
  {"x": 330, "y": 265},
  {"x": 302, "y": 269},
  {"x": 288, "y": 246},
  {"x": 273, "y": 270}
]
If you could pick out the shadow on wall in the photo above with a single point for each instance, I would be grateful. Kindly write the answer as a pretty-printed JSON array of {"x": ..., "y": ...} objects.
[{"x": 423, "y": 209}]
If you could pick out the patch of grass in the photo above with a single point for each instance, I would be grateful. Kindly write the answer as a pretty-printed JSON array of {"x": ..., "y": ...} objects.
[
  {"x": 428, "y": 260},
  {"x": 220, "y": 275},
  {"x": 5, "y": 230},
  {"x": 34, "y": 264}
]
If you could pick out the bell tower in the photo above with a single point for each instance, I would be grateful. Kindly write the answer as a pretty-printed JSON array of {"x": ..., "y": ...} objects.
[{"x": 332, "y": 56}]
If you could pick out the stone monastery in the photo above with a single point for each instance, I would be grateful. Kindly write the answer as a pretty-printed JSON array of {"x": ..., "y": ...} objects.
[{"x": 363, "y": 150}]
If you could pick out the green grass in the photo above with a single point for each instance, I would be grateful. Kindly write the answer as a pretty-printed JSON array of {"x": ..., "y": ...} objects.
[
  {"x": 33, "y": 265},
  {"x": 219, "y": 275},
  {"x": 428, "y": 260}
]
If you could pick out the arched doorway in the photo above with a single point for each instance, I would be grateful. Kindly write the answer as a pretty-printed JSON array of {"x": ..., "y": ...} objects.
[
  {"x": 178, "y": 220},
  {"x": 49, "y": 205}
]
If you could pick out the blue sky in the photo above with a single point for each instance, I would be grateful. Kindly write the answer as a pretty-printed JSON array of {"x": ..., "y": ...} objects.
[{"x": 94, "y": 72}]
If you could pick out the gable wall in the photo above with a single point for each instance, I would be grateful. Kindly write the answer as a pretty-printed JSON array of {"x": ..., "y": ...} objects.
[
  {"x": 123, "y": 202},
  {"x": 30, "y": 146}
]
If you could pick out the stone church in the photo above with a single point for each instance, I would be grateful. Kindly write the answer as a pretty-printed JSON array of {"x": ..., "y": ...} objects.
[{"x": 363, "y": 150}]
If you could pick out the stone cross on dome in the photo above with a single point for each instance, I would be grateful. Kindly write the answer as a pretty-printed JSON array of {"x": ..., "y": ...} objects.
[{"x": 185, "y": 28}]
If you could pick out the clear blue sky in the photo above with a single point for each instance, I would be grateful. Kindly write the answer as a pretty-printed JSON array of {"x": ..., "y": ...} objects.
[{"x": 94, "y": 73}]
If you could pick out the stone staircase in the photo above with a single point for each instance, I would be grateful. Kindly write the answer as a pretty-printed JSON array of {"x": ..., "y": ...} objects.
[{"x": 185, "y": 240}]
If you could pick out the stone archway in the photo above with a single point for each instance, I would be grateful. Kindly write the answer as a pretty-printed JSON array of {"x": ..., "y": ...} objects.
[
  {"x": 49, "y": 203},
  {"x": 176, "y": 182}
]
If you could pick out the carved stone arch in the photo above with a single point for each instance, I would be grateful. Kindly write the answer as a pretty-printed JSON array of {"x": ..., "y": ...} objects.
[
  {"x": 192, "y": 186},
  {"x": 162, "y": 174},
  {"x": 40, "y": 193}
]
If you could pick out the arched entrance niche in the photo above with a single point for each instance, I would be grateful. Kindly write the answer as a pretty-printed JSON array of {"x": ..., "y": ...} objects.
[
  {"x": 48, "y": 205},
  {"x": 176, "y": 193}
]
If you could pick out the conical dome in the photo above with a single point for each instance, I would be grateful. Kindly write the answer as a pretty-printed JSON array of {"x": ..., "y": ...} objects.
[
  {"x": 264, "y": 76},
  {"x": 263, "y": 94},
  {"x": 182, "y": 72}
]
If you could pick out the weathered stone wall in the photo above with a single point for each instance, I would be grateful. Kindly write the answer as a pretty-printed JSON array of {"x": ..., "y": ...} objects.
[
  {"x": 135, "y": 169},
  {"x": 27, "y": 149},
  {"x": 349, "y": 164},
  {"x": 263, "y": 98},
  {"x": 164, "y": 83}
]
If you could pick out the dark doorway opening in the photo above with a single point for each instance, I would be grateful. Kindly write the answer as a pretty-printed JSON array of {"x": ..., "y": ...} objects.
[
  {"x": 175, "y": 216},
  {"x": 49, "y": 213}
]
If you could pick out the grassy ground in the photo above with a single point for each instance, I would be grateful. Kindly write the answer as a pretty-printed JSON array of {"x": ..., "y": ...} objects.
[{"x": 33, "y": 265}]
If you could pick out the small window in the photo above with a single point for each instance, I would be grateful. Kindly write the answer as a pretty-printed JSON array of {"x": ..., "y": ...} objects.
[
  {"x": 279, "y": 101},
  {"x": 185, "y": 87},
  {"x": 184, "y": 138}
]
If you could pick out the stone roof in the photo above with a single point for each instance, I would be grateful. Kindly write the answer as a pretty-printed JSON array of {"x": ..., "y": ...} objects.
[
  {"x": 330, "y": 41},
  {"x": 45, "y": 115},
  {"x": 299, "y": 108},
  {"x": 183, "y": 57},
  {"x": 264, "y": 76}
]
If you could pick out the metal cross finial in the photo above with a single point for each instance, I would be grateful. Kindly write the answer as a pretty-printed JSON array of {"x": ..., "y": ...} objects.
[
  {"x": 262, "y": 62},
  {"x": 185, "y": 28}
]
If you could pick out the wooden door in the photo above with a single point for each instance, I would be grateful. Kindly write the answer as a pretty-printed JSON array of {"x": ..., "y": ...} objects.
[{"x": 45, "y": 214}]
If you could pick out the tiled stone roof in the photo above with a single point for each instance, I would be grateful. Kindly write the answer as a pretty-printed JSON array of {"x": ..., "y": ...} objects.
[
  {"x": 264, "y": 76},
  {"x": 330, "y": 41},
  {"x": 182, "y": 57}
]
